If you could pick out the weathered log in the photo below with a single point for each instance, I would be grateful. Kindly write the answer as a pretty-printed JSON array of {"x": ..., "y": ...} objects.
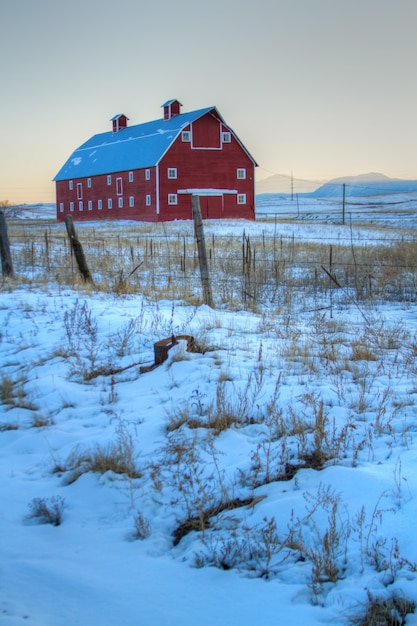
[
  {"x": 78, "y": 250},
  {"x": 162, "y": 347},
  {"x": 202, "y": 254}
]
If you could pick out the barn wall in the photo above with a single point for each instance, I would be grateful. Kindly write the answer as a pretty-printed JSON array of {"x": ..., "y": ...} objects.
[
  {"x": 209, "y": 168},
  {"x": 139, "y": 189}
]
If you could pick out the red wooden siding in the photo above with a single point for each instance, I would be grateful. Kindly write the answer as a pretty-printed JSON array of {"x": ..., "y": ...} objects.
[
  {"x": 207, "y": 169},
  {"x": 206, "y": 133},
  {"x": 138, "y": 189}
]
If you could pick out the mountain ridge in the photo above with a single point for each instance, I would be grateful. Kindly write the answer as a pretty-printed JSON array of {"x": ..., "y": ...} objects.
[{"x": 371, "y": 183}]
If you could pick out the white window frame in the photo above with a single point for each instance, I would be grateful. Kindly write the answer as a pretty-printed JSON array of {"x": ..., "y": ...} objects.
[
  {"x": 172, "y": 198},
  {"x": 120, "y": 202},
  {"x": 172, "y": 173},
  {"x": 131, "y": 201},
  {"x": 108, "y": 180},
  {"x": 89, "y": 183},
  {"x": 241, "y": 173},
  {"x": 61, "y": 207},
  {"x": 186, "y": 136},
  {"x": 71, "y": 185},
  {"x": 71, "y": 206},
  {"x": 148, "y": 199},
  {"x": 90, "y": 205},
  {"x": 226, "y": 137},
  {"x": 79, "y": 191},
  {"x": 241, "y": 198},
  {"x": 130, "y": 177},
  {"x": 119, "y": 186},
  {"x": 99, "y": 205},
  {"x": 109, "y": 203},
  {"x": 147, "y": 174},
  {"x": 80, "y": 205}
]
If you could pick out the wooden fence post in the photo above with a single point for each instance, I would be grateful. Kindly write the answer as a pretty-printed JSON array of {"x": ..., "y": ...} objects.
[
  {"x": 6, "y": 258},
  {"x": 202, "y": 254},
  {"x": 78, "y": 250}
]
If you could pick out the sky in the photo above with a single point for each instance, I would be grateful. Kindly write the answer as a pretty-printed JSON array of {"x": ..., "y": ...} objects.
[{"x": 314, "y": 88}]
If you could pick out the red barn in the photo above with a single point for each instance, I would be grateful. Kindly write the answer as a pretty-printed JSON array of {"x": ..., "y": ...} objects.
[{"x": 148, "y": 172}]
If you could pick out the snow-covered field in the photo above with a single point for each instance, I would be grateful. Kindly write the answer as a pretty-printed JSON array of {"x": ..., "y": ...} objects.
[{"x": 268, "y": 478}]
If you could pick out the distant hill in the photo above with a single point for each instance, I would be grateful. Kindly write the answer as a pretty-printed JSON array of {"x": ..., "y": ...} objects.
[
  {"x": 361, "y": 185},
  {"x": 280, "y": 183},
  {"x": 364, "y": 185}
]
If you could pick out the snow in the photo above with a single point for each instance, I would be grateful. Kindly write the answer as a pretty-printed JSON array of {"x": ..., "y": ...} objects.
[{"x": 90, "y": 570}]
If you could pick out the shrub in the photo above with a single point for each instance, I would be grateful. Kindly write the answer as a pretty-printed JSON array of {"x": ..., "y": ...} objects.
[
  {"x": 47, "y": 510},
  {"x": 142, "y": 527}
]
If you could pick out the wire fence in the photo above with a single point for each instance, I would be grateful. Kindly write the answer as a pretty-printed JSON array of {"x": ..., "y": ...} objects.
[{"x": 246, "y": 271}]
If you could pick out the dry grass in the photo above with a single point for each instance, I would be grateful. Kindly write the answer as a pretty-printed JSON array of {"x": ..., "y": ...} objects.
[
  {"x": 380, "y": 611},
  {"x": 158, "y": 259},
  {"x": 118, "y": 457}
]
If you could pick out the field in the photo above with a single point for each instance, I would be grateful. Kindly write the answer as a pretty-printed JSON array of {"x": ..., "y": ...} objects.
[{"x": 267, "y": 475}]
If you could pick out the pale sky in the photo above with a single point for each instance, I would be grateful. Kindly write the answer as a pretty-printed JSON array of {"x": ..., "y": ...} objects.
[{"x": 319, "y": 88}]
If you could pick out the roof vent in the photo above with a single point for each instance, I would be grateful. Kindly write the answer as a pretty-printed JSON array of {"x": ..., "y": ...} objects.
[
  {"x": 119, "y": 122},
  {"x": 171, "y": 109}
]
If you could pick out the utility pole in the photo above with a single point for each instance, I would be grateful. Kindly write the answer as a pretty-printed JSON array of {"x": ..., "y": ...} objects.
[
  {"x": 343, "y": 204},
  {"x": 292, "y": 187}
]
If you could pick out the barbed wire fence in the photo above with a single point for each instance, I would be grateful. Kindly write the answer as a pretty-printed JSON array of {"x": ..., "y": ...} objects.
[{"x": 247, "y": 271}]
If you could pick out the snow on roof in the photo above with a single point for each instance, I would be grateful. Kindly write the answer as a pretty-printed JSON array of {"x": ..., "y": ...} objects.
[{"x": 130, "y": 148}]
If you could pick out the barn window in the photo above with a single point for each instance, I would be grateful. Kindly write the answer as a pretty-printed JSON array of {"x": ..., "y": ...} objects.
[
  {"x": 89, "y": 183},
  {"x": 80, "y": 205},
  {"x": 119, "y": 186},
  {"x": 79, "y": 191},
  {"x": 130, "y": 177},
  {"x": 99, "y": 204},
  {"x": 132, "y": 201},
  {"x": 109, "y": 180},
  {"x": 172, "y": 172},
  {"x": 241, "y": 173},
  {"x": 71, "y": 206},
  {"x": 148, "y": 200},
  {"x": 186, "y": 136},
  {"x": 241, "y": 198},
  {"x": 71, "y": 185},
  {"x": 148, "y": 174},
  {"x": 226, "y": 137},
  {"x": 120, "y": 203},
  {"x": 90, "y": 205},
  {"x": 61, "y": 207},
  {"x": 109, "y": 203},
  {"x": 172, "y": 198}
]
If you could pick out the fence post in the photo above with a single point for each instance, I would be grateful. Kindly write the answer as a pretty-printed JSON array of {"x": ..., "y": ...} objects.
[
  {"x": 78, "y": 250},
  {"x": 6, "y": 258},
  {"x": 202, "y": 253}
]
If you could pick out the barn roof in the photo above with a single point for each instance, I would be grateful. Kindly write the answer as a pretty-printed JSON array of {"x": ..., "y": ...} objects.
[{"x": 134, "y": 147}]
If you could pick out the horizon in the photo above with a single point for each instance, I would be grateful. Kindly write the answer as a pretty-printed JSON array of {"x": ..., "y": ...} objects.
[{"x": 323, "y": 96}]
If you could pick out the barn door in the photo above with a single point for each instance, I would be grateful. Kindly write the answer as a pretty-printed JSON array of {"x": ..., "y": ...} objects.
[{"x": 211, "y": 207}]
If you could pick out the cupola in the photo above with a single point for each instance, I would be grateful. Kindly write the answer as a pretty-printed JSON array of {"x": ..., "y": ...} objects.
[
  {"x": 171, "y": 109},
  {"x": 119, "y": 122}
]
